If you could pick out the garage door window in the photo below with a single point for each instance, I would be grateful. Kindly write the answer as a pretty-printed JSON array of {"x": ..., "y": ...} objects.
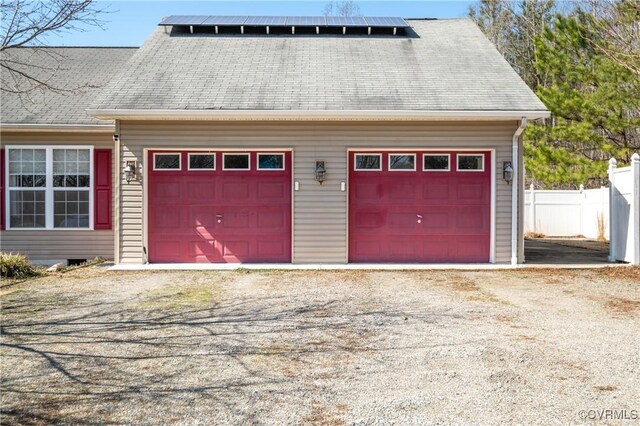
[
  {"x": 368, "y": 162},
  {"x": 202, "y": 161},
  {"x": 270, "y": 161},
  {"x": 402, "y": 162},
  {"x": 50, "y": 187},
  {"x": 470, "y": 163},
  {"x": 166, "y": 162},
  {"x": 436, "y": 162},
  {"x": 235, "y": 162}
]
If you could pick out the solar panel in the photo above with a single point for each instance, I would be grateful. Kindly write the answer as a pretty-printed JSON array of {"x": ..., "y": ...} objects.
[
  {"x": 306, "y": 21},
  {"x": 266, "y": 20},
  {"x": 386, "y": 22},
  {"x": 224, "y": 20},
  {"x": 183, "y": 20},
  {"x": 346, "y": 21}
]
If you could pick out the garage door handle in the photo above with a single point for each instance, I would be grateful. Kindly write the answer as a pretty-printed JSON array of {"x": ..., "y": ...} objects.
[
  {"x": 419, "y": 217},
  {"x": 219, "y": 218}
]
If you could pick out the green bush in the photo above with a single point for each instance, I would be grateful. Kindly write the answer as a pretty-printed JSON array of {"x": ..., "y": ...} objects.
[{"x": 14, "y": 265}]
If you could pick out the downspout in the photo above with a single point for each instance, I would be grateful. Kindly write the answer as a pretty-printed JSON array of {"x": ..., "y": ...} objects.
[{"x": 515, "y": 148}]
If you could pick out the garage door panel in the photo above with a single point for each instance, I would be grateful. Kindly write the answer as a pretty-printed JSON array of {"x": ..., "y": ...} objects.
[
  {"x": 166, "y": 218},
  {"x": 453, "y": 208},
  {"x": 272, "y": 190},
  {"x": 368, "y": 191},
  {"x": 219, "y": 215},
  {"x": 197, "y": 191}
]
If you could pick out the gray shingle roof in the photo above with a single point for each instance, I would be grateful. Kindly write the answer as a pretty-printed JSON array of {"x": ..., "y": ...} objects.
[
  {"x": 83, "y": 70},
  {"x": 449, "y": 66}
]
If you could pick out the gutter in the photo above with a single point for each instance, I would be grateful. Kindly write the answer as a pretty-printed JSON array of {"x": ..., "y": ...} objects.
[
  {"x": 515, "y": 145},
  {"x": 82, "y": 128},
  {"x": 313, "y": 115}
]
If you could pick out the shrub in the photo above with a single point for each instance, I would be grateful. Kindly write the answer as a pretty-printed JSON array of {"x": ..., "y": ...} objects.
[{"x": 15, "y": 265}]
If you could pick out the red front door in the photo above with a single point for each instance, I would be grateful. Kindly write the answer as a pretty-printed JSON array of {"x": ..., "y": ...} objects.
[
  {"x": 419, "y": 206},
  {"x": 219, "y": 206}
]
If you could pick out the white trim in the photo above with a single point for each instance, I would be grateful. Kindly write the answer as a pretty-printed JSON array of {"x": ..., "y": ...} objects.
[
  {"x": 284, "y": 161},
  {"x": 355, "y": 169},
  {"x": 89, "y": 128},
  {"x": 199, "y": 154},
  {"x": 49, "y": 189},
  {"x": 492, "y": 225},
  {"x": 469, "y": 170},
  {"x": 338, "y": 115},
  {"x": 179, "y": 154},
  {"x": 448, "y": 169},
  {"x": 248, "y": 154},
  {"x": 404, "y": 154},
  {"x": 515, "y": 163}
]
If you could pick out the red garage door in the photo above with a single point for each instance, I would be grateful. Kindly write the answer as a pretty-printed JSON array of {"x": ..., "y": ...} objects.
[
  {"x": 219, "y": 206},
  {"x": 419, "y": 206}
]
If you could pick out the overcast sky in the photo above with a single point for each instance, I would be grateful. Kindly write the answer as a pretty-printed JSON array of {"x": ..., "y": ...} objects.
[{"x": 130, "y": 22}]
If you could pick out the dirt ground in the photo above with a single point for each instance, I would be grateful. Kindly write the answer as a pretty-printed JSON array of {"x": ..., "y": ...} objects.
[{"x": 523, "y": 346}]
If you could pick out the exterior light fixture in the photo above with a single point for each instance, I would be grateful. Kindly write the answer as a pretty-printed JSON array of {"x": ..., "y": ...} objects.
[
  {"x": 321, "y": 171},
  {"x": 507, "y": 171},
  {"x": 130, "y": 170}
]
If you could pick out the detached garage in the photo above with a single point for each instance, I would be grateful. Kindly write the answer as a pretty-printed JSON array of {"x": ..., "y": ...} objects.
[{"x": 306, "y": 140}]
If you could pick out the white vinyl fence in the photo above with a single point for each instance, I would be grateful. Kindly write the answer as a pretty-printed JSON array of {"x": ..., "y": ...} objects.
[
  {"x": 567, "y": 213},
  {"x": 625, "y": 211}
]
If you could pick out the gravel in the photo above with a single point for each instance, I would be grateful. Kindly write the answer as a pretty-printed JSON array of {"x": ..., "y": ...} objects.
[{"x": 320, "y": 347}]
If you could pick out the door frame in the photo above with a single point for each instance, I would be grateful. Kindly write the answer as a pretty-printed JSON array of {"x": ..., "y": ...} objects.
[
  {"x": 145, "y": 184},
  {"x": 492, "y": 151}
]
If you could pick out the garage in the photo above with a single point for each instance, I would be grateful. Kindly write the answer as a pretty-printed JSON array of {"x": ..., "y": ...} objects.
[
  {"x": 420, "y": 206},
  {"x": 219, "y": 206}
]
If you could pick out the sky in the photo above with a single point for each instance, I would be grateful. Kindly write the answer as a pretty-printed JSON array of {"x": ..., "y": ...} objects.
[{"x": 129, "y": 23}]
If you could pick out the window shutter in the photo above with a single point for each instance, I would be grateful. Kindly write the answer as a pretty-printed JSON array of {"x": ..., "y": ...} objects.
[
  {"x": 102, "y": 183},
  {"x": 3, "y": 201}
]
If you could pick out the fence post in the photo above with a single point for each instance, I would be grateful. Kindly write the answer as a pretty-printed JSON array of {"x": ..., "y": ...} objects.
[
  {"x": 582, "y": 201},
  {"x": 612, "y": 234},
  {"x": 635, "y": 207},
  {"x": 532, "y": 209}
]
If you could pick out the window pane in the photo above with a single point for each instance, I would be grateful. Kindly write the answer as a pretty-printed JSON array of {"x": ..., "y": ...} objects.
[
  {"x": 470, "y": 162},
  {"x": 71, "y": 170},
  {"x": 236, "y": 161},
  {"x": 27, "y": 209},
  {"x": 26, "y": 168},
  {"x": 367, "y": 162},
  {"x": 270, "y": 161},
  {"x": 71, "y": 209},
  {"x": 202, "y": 161},
  {"x": 167, "y": 161},
  {"x": 402, "y": 162},
  {"x": 436, "y": 162}
]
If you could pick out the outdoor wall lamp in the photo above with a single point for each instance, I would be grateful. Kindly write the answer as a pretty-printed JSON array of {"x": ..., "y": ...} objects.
[
  {"x": 321, "y": 171},
  {"x": 130, "y": 168},
  {"x": 507, "y": 171}
]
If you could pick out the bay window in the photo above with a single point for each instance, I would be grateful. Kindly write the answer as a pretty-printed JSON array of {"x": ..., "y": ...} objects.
[{"x": 49, "y": 187}]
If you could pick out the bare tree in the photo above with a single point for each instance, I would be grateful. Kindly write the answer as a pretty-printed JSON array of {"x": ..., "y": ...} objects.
[
  {"x": 27, "y": 23},
  {"x": 342, "y": 8}
]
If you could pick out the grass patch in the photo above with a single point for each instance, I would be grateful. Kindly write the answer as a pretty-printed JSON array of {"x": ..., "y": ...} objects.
[
  {"x": 17, "y": 266},
  {"x": 182, "y": 295}
]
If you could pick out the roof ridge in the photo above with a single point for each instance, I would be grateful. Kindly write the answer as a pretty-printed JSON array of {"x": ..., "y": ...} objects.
[{"x": 76, "y": 47}]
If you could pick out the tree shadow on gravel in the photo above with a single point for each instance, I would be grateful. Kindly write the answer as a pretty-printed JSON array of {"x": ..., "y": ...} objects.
[{"x": 102, "y": 362}]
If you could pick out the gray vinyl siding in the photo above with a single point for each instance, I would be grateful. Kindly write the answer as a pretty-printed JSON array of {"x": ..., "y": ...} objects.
[
  {"x": 49, "y": 244},
  {"x": 320, "y": 211}
]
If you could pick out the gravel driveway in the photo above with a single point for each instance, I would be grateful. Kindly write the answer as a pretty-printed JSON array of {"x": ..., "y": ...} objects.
[{"x": 321, "y": 347}]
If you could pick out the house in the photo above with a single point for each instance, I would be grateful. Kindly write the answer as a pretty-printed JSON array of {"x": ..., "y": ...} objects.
[{"x": 266, "y": 139}]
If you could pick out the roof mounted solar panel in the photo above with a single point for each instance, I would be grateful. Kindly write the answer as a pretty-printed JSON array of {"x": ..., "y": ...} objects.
[
  {"x": 183, "y": 20},
  {"x": 224, "y": 21},
  {"x": 266, "y": 20},
  {"x": 346, "y": 21},
  {"x": 306, "y": 21},
  {"x": 388, "y": 22}
]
